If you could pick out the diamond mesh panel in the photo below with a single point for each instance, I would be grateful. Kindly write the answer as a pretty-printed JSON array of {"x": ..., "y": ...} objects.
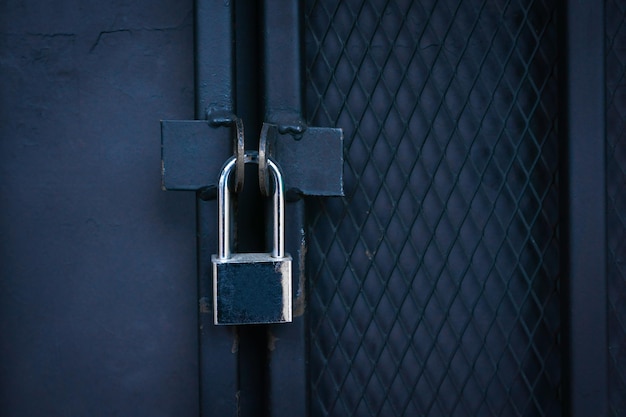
[
  {"x": 616, "y": 201},
  {"x": 434, "y": 284}
]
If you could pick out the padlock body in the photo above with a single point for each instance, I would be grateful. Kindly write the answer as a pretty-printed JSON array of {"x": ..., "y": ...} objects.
[{"x": 252, "y": 288}]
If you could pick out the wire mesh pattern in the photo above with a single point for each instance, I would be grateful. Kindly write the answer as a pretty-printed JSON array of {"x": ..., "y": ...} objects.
[
  {"x": 616, "y": 201},
  {"x": 434, "y": 282}
]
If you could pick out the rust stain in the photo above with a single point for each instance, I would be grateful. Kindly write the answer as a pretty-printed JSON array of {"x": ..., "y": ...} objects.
[
  {"x": 205, "y": 305},
  {"x": 299, "y": 305},
  {"x": 235, "y": 347},
  {"x": 271, "y": 341}
]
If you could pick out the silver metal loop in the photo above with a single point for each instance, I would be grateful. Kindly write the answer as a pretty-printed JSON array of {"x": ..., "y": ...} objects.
[{"x": 224, "y": 206}]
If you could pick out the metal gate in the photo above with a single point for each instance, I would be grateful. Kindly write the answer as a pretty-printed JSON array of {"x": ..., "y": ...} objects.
[
  {"x": 464, "y": 271},
  {"x": 474, "y": 267}
]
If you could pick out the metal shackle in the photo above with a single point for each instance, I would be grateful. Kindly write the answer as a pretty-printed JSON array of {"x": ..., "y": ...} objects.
[{"x": 224, "y": 209}]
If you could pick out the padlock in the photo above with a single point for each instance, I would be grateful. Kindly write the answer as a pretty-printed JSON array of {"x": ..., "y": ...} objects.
[{"x": 251, "y": 288}]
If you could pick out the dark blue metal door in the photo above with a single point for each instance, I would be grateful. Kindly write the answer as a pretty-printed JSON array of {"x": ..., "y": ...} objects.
[{"x": 98, "y": 307}]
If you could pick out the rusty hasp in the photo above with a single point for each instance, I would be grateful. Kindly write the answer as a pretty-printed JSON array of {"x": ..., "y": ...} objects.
[
  {"x": 311, "y": 161},
  {"x": 194, "y": 151}
]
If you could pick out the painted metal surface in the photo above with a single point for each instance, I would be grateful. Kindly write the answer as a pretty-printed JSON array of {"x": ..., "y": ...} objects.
[
  {"x": 312, "y": 162},
  {"x": 98, "y": 294},
  {"x": 214, "y": 101},
  {"x": 310, "y": 157},
  {"x": 584, "y": 211},
  {"x": 282, "y": 105},
  {"x": 192, "y": 154}
]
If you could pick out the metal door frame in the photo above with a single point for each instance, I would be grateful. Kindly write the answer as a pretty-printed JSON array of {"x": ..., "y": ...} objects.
[
  {"x": 249, "y": 370},
  {"x": 583, "y": 206}
]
